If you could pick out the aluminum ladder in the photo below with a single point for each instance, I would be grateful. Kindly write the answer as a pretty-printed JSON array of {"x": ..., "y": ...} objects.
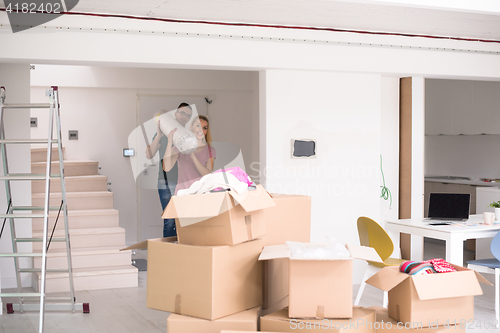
[{"x": 29, "y": 301}]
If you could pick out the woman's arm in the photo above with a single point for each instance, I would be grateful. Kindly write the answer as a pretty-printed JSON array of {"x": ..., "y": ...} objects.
[
  {"x": 155, "y": 145},
  {"x": 170, "y": 156},
  {"x": 203, "y": 169}
]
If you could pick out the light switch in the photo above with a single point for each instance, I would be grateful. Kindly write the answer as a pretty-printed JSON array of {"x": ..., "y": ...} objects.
[{"x": 73, "y": 135}]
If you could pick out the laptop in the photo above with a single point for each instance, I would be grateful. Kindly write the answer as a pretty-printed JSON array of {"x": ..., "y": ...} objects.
[{"x": 448, "y": 208}]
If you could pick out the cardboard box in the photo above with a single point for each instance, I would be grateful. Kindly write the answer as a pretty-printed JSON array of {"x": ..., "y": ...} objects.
[
  {"x": 361, "y": 322},
  {"x": 224, "y": 331},
  {"x": 430, "y": 299},
  {"x": 386, "y": 324},
  {"x": 320, "y": 288},
  {"x": 289, "y": 220},
  {"x": 223, "y": 218},
  {"x": 275, "y": 285},
  {"x": 208, "y": 282},
  {"x": 244, "y": 332},
  {"x": 245, "y": 321}
]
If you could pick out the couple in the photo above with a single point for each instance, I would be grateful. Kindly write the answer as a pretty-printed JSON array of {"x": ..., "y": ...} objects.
[{"x": 186, "y": 168}]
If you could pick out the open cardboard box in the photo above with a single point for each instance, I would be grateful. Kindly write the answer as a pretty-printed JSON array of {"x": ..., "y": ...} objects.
[
  {"x": 361, "y": 322},
  {"x": 320, "y": 288},
  {"x": 222, "y": 218},
  {"x": 289, "y": 220},
  {"x": 245, "y": 321},
  {"x": 432, "y": 299},
  {"x": 208, "y": 282},
  {"x": 274, "y": 285},
  {"x": 225, "y": 331},
  {"x": 386, "y": 324}
]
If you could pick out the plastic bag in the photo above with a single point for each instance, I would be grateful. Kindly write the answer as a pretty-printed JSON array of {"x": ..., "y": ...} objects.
[
  {"x": 332, "y": 250},
  {"x": 184, "y": 139}
]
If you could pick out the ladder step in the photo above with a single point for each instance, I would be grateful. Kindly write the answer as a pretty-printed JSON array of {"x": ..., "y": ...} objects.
[
  {"x": 27, "y": 106},
  {"x": 21, "y": 216},
  {"x": 19, "y": 294},
  {"x": 37, "y": 270},
  {"x": 27, "y": 176},
  {"x": 51, "y": 307},
  {"x": 20, "y": 255},
  {"x": 32, "y": 208},
  {"x": 50, "y": 299},
  {"x": 38, "y": 240},
  {"x": 26, "y": 141},
  {"x": 23, "y": 177}
]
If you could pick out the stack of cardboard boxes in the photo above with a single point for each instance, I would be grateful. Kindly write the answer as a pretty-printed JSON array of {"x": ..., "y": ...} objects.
[
  {"x": 320, "y": 293},
  {"x": 212, "y": 280}
]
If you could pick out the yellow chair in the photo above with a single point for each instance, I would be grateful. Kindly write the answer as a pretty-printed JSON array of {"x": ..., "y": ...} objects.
[{"x": 371, "y": 234}]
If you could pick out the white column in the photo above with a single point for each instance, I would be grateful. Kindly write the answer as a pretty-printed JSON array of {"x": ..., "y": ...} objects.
[{"x": 417, "y": 161}]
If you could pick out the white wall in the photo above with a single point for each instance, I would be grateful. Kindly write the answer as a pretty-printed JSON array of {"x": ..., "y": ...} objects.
[
  {"x": 455, "y": 107},
  {"x": 458, "y": 115},
  {"x": 417, "y": 147},
  {"x": 389, "y": 145},
  {"x": 16, "y": 80},
  {"x": 342, "y": 112},
  {"x": 463, "y": 156},
  {"x": 101, "y": 103}
]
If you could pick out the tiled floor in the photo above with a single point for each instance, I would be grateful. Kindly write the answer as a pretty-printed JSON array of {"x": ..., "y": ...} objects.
[{"x": 124, "y": 310}]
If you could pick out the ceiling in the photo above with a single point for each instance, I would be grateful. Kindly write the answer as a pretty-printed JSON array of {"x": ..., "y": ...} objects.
[{"x": 368, "y": 15}]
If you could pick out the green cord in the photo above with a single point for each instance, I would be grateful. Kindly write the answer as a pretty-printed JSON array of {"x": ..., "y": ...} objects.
[{"x": 386, "y": 193}]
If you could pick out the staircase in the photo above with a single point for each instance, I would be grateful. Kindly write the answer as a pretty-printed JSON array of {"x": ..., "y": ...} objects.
[{"x": 95, "y": 234}]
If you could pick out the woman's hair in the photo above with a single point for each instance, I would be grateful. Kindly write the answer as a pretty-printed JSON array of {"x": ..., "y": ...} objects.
[{"x": 208, "y": 136}]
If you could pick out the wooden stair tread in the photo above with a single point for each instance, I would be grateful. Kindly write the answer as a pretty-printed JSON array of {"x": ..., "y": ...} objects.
[
  {"x": 84, "y": 178},
  {"x": 86, "y": 251},
  {"x": 67, "y": 162},
  {"x": 41, "y": 149},
  {"x": 95, "y": 271},
  {"x": 78, "y": 178},
  {"x": 73, "y": 194},
  {"x": 88, "y": 212},
  {"x": 85, "y": 231}
]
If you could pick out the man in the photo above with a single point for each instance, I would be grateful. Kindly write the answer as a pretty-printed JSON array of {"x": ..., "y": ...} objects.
[{"x": 160, "y": 141}]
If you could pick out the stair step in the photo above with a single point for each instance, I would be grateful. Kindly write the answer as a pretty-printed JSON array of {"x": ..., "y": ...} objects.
[
  {"x": 86, "y": 258},
  {"x": 92, "y": 279},
  {"x": 71, "y": 167},
  {"x": 80, "y": 219},
  {"x": 77, "y": 200},
  {"x": 85, "y": 238},
  {"x": 40, "y": 154},
  {"x": 93, "y": 183}
]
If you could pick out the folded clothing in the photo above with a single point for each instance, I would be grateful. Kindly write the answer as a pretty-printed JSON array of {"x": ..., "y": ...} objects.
[
  {"x": 432, "y": 266},
  {"x": 417, "y": 268},
  {"x": 238, "y": 173},
  {"x": 220, "y": 180}
]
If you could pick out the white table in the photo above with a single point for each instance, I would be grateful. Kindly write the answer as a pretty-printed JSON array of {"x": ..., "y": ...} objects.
[{"x": 453, "y": 235}]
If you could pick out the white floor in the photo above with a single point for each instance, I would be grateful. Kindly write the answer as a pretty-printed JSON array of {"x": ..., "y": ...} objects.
[{"x": 124, "y": 310}]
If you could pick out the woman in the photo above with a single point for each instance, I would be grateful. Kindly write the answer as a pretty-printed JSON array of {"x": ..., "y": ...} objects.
[{"x": 195, "y": 165}]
